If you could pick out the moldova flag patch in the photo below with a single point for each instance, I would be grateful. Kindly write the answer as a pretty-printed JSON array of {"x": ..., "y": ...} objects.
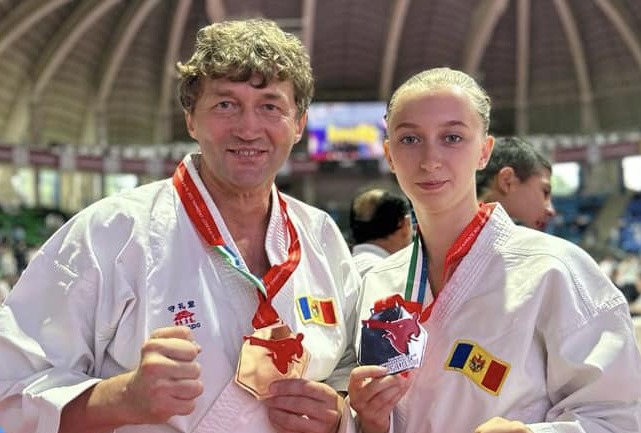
[
  {"x": 483, "y": 368},
  {"x": 315, "y": 310}
]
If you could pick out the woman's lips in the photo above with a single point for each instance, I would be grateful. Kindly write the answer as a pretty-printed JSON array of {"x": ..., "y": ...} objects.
[{"x": 432, "y": 185}]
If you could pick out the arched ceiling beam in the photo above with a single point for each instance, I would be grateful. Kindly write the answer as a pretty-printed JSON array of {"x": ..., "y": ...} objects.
[
  {"x": 308, "y": 20},
  {"x": 483, "y": 22},
  {"x": 162, "y": 129},
  {"x": 399, "y": 13},
  {"x": 589, "y": 121},
  {"x": 215, "y": 10},
  {"x": 616, "y": 18},
  {"x": 23, "y": 17},
  {"x": 128, "y": 26},
  {"x": 74, "y": 27},
  {"x": 17, "y": 124},
  {"x": 523, "y": 17}
]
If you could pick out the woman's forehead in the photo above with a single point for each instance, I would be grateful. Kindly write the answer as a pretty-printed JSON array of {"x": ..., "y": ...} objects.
[
  {"x": 433, "y": 91},
  {"x": 447, "y": 97}
]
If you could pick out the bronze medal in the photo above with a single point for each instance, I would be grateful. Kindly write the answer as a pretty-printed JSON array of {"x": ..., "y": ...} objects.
[{"x": 270, "y": 354}]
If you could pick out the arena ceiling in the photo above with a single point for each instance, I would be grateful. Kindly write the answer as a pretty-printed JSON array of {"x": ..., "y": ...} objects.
[{"x": 102, "y": 71}]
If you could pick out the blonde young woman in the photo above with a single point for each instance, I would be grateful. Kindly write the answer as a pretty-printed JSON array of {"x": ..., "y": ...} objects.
[{"x": 525, "y": 333}]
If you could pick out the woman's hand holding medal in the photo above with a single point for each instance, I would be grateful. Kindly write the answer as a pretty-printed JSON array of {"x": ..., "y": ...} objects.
[
  {"x": 300, "y": 405},
  {"x": 373, "y": 393},
  {"x": 167, "y": 380}
]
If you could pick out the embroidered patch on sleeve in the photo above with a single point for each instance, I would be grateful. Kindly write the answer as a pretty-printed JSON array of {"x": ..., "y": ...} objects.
[
  {"x": 483, "y": 368},
  {"x": 315, "y": 310}
]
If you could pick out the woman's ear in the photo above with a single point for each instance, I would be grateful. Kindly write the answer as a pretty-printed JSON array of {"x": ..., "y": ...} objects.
[
  {"x": 486, "y": 152},
  {"x": 387, "y": 155}
]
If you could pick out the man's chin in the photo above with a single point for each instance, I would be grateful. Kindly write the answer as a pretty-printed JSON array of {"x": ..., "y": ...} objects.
[{"x": 541, "y": 226}]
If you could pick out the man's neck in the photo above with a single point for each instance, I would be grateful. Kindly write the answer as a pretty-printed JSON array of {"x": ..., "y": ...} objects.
[
  {"x": 247, "y": 218},
  {"x": 246, "y": 215},
  {"x": 244, "y": 210},
  {"x": 388, "y": 244}
]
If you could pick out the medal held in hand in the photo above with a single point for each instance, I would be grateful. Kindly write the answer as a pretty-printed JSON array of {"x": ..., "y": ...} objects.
[
  {"x": 392, "y": 338},
  {"x": 270, "y": 354}
]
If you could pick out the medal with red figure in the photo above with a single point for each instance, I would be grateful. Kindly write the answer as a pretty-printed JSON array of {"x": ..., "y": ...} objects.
[
  {"x": 273, "y": 352},
  {"x": 393, "y": 336}
]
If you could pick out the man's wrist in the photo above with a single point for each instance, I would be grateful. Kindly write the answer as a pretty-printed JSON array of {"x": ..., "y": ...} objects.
[
  {"x": 109, "y": 402},
  {"x": 100, "y": 408}
]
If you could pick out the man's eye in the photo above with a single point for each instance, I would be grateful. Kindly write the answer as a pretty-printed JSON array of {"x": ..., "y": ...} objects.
[
  {"x": 224, "y": 105},
  {"x": 271, "y": 110}
]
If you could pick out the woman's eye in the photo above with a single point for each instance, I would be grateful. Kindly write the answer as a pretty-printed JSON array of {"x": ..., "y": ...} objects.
[
  {"x": 453, "y": 138},
  {"x": 410, "y": 139}
]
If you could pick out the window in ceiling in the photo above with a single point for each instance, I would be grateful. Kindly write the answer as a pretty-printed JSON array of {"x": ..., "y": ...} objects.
[{"x": 566, "y": 178}]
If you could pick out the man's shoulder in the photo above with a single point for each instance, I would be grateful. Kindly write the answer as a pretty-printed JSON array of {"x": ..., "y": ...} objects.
[
  {"x": 398, "y": 261},
  {"x": 132, "y": 201},
  {"x": 126, "y": 209}
]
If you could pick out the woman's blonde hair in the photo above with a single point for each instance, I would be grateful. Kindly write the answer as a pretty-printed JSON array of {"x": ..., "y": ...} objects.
[{"x": 437, "y": 78}]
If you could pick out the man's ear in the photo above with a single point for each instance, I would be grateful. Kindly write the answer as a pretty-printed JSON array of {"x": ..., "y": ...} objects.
[
  {"x": 300, "y": 127},
  {"x": 189, "y": 122},
  {"x": 387, "y": 155},
  {"x": 505, "y": 179}
]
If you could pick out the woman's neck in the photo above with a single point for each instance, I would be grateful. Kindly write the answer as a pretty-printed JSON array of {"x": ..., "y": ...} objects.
[{"x": 438, "y": 234}]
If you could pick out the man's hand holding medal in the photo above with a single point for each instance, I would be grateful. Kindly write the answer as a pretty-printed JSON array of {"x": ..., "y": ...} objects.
[
  {"x": 271, "y": 366},
  {"x": 270, "y": 354}
]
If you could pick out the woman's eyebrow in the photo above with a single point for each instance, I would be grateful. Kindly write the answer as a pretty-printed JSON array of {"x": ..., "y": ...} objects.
[{"x": 448, "y": 123}]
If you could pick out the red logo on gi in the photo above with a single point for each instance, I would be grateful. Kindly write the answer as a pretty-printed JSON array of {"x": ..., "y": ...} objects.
[{"x": 183, "y": 316}]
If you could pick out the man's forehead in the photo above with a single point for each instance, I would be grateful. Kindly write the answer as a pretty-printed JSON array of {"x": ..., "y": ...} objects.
[{"x": 228, "y": 85}]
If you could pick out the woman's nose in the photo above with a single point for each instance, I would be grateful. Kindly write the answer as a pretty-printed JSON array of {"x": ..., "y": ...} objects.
[{"x": 429, "y": 157}]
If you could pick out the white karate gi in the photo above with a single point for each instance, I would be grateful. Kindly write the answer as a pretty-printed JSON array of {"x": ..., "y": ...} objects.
[
  {"x": 367, "y": 255},
  {"x": 542, "y": 306},
  {"x": 122, "y": 268}
]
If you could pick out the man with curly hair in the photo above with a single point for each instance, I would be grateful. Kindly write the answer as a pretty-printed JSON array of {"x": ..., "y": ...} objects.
[{"x": 205, "y": 302}]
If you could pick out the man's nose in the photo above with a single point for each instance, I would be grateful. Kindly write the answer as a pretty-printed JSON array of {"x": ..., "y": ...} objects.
[
  {"x": 248, "y": 125},
  {"x": 549, "y": 209}
]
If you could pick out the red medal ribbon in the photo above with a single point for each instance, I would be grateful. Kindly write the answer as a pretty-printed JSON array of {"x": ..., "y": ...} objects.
[
  {"x": 455, "y": 254},
  {"x": 207, "y": 228}
]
